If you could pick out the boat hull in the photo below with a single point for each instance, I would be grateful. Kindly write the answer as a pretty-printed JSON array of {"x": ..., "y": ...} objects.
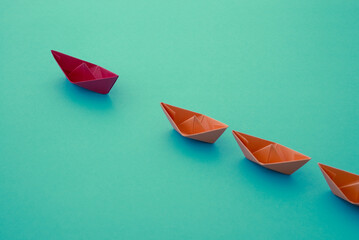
[
  {"x": 207, "y": 136},
  {"x": 85, "y": 74},
  {"x": 287, "y": 167}
]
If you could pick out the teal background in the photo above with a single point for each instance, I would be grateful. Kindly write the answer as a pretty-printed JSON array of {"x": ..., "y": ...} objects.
[{"x": 80, "y": 165}]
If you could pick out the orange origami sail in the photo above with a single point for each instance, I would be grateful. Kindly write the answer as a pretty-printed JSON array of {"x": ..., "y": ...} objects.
[
  {"x": 343, "y": 184},
  {"x": 269, "y": 154},
  {"x": 194, "y": 125}
]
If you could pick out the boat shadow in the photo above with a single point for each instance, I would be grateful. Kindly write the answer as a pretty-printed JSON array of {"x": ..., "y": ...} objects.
[
  {"x": 333, "y": 202},
  {"x": 258, "y": 175},
  {"x": 193, "y": 149},
  {"x": 85, "y": 98}
]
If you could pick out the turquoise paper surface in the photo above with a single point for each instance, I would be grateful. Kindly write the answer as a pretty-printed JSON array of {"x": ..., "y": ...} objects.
[{"x": 80, "y": 165}]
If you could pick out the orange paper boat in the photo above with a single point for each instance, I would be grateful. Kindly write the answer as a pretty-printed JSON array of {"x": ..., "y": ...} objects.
[
  {"x": 343, "y": 184},
  {"x": 194, "y": 125},
  {"x": 269, "y": 154}
]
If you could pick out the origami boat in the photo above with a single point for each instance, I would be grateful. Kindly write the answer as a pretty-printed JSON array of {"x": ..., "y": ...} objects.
[
  {"x": 194, "y": 125},
  {"x": 85, "y": 74},
  {"x": 269, "y": 154},
  {"x": 343, "y": 184}
]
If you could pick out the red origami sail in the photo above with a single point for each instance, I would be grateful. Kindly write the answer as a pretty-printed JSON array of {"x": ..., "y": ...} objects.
[
  {"x": 85, "y": 74},
  {"x": 193, "y": 125},
  {"x": 269, "y": 154}
]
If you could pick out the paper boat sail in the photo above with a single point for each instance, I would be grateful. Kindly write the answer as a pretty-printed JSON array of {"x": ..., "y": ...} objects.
[
  {"x": 85, "y": 74},
  {"x": 269, "y": 154},
  {"x": 194, "y": 125},
  {"x": 343, "y": 184}
]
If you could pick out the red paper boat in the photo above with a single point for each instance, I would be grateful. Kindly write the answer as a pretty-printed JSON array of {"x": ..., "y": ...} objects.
[
  {"x": 85, "y": 74},
  {"x": 343, "y": 184},
  {"x": 269, "y": 154},
  {"x": 194, "y": 125}
]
